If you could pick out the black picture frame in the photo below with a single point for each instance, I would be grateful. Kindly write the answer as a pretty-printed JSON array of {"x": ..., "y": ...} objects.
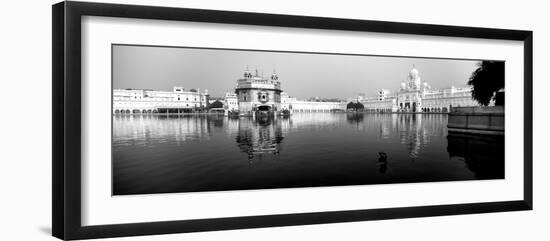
[{"x": 66, "y": 127}]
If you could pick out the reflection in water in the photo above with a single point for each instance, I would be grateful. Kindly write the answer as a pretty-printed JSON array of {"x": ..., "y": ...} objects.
[
  {"x": 160, "y": 154},
  {"x": 409, "y": 128},
  {"x": 383, "y": 161},
  {"x": 482, "y": 154},
  {"x": 259, "y": 136}
]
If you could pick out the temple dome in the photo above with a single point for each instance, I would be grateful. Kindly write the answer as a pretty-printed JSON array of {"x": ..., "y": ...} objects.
[
  {"x": 413, "y": 79},
  {"x": 274, "y": 76},
  {"x": 413, "y": 73}
]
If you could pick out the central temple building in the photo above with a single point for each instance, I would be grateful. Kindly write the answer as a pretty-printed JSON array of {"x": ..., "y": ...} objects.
[{"x": 255, "y": 93}]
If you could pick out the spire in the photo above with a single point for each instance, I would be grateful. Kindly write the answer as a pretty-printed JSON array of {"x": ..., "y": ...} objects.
[
  {"x": 274, "y": 75},
  {"x": 247, "y": 74}
]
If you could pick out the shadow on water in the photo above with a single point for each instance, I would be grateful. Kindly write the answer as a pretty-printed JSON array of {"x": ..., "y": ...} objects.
[{"x": 482, "y": 154}]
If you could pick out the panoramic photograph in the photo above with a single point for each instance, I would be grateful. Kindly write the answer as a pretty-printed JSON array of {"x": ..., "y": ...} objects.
[{"x": 188, "y": 119}]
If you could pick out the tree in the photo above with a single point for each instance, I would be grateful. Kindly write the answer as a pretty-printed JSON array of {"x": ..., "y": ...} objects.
[
  {"x": 216, "y": 104},
  {"x": 487, "y": 80},
  {"x": 350, "y": 105},
  {"x": 286, "y": 112},
  {"x": 359, "y": 106},
  {"x": 355, "y": 106}
]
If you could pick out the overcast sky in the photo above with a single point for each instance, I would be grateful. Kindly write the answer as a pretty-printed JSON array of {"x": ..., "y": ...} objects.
[{"x": 301, "y": 75}]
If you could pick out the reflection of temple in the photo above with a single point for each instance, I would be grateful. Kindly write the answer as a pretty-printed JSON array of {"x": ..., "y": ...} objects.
[
  {"x": 411, "y": 133},
  {"x": 417, "y": 96},
  {"x": 259, "y": 136},
  {"x": 414, "y": 131}
]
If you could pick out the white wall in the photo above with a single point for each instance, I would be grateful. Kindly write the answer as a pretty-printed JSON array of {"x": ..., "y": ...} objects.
[{"x": 25, "y": 179}]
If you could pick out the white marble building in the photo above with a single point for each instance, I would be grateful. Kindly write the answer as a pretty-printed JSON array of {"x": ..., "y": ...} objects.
[
  {"x": 317, "y": 106},
  {"x": 417, "y": 96},
  {"x": 231, "y": 102},
  {"x": 295, "y": 105},
  {"x": 179, "y": 100}
]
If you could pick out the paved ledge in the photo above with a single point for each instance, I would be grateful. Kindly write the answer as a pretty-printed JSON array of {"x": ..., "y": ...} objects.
[
  {"x": 477, "y": 120},
  {"x": 476, "y": 131}
]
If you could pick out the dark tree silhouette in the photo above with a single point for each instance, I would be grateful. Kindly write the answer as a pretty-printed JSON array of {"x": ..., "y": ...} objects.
[
  {"x": 355, "y": 106},
  {"x": 286, "y": 112},
  {"x": 487, "y": 79},
  {"x": 216, "y": 104},
  {"x": 351, "y": 105}
]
